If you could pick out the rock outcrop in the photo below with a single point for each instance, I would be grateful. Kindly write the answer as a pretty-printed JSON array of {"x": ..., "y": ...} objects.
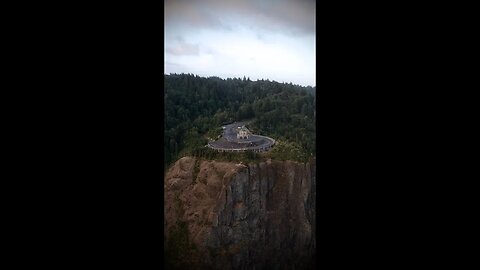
[{"x": 260, "y": 216}]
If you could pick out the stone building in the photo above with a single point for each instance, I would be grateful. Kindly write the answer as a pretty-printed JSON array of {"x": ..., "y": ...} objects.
[{"x": 243, "y": 133}]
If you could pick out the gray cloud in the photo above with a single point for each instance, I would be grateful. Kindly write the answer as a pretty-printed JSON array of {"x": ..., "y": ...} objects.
[
  {"x": 290, "y": 16},
  {"x": 172, "y": 64},
  {"x": 182, "y": 48},
  {"x": 210, "y": 51},
  {"x": 191, "y": 13}
]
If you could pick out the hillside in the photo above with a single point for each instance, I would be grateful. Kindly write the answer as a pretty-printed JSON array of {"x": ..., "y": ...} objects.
[{"x": 196, "y": 107}]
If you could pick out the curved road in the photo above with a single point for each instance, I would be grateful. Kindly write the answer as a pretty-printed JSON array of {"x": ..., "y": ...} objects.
[{"x": 229, "y": 141}]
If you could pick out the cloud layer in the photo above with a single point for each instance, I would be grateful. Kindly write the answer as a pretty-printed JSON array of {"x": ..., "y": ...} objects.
[
  {"x": 296, "y": 16},
  {"x": 225, "y": 38}
]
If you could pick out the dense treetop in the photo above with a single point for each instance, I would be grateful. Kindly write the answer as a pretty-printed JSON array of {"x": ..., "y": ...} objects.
[{"x": 195, "y": 108}]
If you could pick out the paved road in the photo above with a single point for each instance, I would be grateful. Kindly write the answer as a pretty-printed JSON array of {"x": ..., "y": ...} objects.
[
  {"x": 229, "y": 140},
  {"x": 230, "y": 133}
]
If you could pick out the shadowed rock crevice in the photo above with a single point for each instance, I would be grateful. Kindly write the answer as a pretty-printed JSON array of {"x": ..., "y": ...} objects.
[{"x": 260, "y": 216}]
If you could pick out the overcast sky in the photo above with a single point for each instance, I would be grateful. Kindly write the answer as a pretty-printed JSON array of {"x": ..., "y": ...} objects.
[{"x": 272, "y": 39}]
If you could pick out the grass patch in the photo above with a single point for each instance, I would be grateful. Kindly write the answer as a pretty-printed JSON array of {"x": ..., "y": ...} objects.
[
  {"x": 196, "y": 169},
  {"x": 284, "y": 150},
  {"x": 215, "y": 133}
]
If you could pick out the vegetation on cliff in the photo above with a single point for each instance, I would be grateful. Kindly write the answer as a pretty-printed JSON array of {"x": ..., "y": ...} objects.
[{"x": 180, "y": 252}]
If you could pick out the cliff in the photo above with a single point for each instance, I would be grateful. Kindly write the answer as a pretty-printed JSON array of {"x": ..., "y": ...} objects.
[{"x": 240, "y": 217}]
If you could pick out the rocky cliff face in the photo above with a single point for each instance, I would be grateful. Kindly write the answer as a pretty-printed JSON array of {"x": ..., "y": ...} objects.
[{"x": 243, "y": 217}]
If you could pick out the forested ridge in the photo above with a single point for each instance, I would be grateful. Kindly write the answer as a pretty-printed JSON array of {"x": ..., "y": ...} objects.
[{"x": 196, "y": 107}]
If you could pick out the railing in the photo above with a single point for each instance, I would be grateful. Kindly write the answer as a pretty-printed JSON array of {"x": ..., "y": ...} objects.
[{"x": 260, "y": 148}]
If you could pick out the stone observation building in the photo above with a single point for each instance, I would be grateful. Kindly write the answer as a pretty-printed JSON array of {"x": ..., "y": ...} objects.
[
  {"x": 243, "y": 133},
  {"x": 237, "y": 138}
]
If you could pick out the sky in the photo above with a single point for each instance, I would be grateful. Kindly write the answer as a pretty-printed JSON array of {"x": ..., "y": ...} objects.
[{"x": 259, "y": 39}]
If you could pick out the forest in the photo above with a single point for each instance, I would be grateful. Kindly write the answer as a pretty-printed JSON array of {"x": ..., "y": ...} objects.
[{"x": 196, "y": 107}]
